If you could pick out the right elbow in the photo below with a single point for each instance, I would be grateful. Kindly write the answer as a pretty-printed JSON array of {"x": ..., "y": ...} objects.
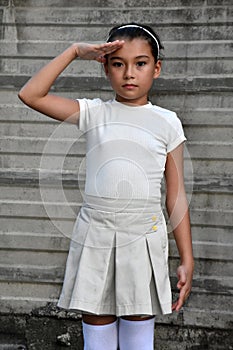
[{"x": 23, "y": 97}]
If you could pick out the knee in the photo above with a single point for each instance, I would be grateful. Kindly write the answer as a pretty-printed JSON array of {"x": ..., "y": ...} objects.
[
  {"x": 137, "y": 318},
  {"x": 98, "y": 320}
]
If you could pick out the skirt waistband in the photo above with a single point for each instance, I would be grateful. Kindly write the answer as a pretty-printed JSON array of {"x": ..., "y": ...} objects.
[{"x": 149, "y": 205}]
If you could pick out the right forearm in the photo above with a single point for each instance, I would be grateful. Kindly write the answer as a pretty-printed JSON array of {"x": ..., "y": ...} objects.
[
  {"x": 36, "y": 94},
  {"x": 39, "y": 85}
]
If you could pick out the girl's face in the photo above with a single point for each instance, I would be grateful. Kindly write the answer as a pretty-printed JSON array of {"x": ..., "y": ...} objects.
[{"x": 131, "y": 71}]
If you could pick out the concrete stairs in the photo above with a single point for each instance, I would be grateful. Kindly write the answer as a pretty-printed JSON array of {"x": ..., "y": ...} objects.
[{"x": 36, "y": 216}]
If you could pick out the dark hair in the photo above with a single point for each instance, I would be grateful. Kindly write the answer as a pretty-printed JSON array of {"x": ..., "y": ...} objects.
[{"x": 135, "y": 30}]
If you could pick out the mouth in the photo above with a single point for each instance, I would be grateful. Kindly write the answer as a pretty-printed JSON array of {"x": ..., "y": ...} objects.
[{"x": 129, "y": 86}]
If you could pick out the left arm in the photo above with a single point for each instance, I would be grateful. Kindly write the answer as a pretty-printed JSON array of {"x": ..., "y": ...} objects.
[{"x": 177, "y": 207}]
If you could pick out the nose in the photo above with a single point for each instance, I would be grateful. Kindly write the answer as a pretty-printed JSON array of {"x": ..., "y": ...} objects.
[{"x": 129, "y": 72}]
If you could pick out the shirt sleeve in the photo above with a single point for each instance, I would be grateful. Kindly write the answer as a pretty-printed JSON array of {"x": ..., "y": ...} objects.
[
  {"x": 176, "y": 134},
  {"x": 89, "y": 111}
]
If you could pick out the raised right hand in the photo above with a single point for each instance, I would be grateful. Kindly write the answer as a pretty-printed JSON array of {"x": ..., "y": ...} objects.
[
  {"x": 36, "y": 92},
  {"x": 97, "y": 51}
]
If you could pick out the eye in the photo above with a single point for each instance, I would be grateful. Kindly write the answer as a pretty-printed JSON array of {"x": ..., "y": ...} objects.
[
  {"x": 141, "y": 63},
  {"x": 117, "y": 64}
]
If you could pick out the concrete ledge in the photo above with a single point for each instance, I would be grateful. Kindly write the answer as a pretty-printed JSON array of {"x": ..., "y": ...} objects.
[
  {"x": 47, "y": 329},
  {"x": 192, "y": 84},
  {"x": 108, "y": 15},
  {"x": 37, "y": 333},
  {"x": 112, "y": 3}
]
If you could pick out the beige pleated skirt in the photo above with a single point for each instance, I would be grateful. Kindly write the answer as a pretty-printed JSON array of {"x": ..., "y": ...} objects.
[{"x": 118, "y": 259}]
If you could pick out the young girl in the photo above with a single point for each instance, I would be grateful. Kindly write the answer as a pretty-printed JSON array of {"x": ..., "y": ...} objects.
[{"x": 117, "y": 270}]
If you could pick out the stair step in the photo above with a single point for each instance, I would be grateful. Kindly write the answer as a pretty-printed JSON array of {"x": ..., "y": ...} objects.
[
  {"x": 29, "y": 66},
  {"x": 68, "y": 211},
  {"x": 163, "y": 84},
  {"x": 30, "y": 177},
  {"x": 207, "y": 117},
  {"x": 112, "y": 3},
  {"x": 74, "y": 147},
  {"x": 174, "y": 49},
  {"x": 37, "y": 130},
  {"x": 11, "y": 342},
  {"x": 31, "y": 290},
  {"x": 100, "y": 16},
  {"x": 56, "y": 254},
  {"x": 180, "y": 102},
  {"x": 55, "y": 275},
  {"x": 177, "y": 31},
  {"x": 33, "y": 242},
  {"x": 203, "y": 315},
  {"x": 33, "y": 193},
  {"x": 208, "y": 197},
  {"x": 221, "y": 284},
  {"x": 190, "y": 117},
  {"x": 73, "y": 179},
  {"x": 33, "y": 161},
  {"x": 56, "y": 226},
  {"x": 23, "y": 305},
  {"x": 207, "y": 250},
  {"x": 176, "y": 101},
  {"x": 210, "y": 134},
  {"x": 32, "y": 274},
  {"x": 53, "y": 145},
  {"x": 27, "y": 257},
  {"x": 56, "y": 210},
  {"x": 210, "y": 150},
  {"x": 214, "y": 200},
  {"x": 25, "y": 245},
  {"x": 9, "y": 97},
  {"x": 205, "y": 302},
  {"x": 82, "y": 68},
  {"x": 202, "y": 167}
]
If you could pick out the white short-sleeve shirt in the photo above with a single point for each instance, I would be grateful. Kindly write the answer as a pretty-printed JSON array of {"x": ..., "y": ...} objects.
[{"x": 127, "y": 147}]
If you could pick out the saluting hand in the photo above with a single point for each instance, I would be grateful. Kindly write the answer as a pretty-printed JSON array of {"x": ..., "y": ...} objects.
[{"x": 97, "y": 51}]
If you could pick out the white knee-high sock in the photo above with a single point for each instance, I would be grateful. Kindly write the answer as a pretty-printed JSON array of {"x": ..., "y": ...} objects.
[
  {"x": 103, "y": 337},
  {"x": 136, "y": 335}
]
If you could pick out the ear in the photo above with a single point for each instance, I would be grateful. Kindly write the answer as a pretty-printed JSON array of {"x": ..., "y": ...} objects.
[{"x": 158, "y": 66}]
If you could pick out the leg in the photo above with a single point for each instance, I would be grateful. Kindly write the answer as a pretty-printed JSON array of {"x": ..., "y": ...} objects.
[
  {"x": 136, "y": 333},
  {"x": 98, "y": 320},
  {"x": 100, "y": 332}
]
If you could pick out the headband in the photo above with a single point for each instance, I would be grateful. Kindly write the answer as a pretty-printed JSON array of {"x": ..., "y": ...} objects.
[{"x": 144, "y": 29}]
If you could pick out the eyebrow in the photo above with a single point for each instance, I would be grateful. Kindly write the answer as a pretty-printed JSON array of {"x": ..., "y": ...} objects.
[{"x": 120, "y": 58}]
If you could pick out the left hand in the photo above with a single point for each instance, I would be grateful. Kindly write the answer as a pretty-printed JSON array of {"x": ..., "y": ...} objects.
[{"x": 184, "y": 285}]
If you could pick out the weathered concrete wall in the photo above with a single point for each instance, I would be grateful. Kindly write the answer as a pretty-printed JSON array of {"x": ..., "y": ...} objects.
[{"x": 196, "y": 82}]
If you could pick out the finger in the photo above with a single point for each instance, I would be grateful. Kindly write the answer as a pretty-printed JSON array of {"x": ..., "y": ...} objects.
[
  {"x": 181, "y": 283},
  {"x": 182, "y": 278},
  {"x": 174, "y": 305},
  {"x": 106, "y": 49},
  {"x": 184, "y": 294},
  {"x": 111, "y": 46},
  {"x": 113, "y": 43},
  {"x": 178, "y": 305},
  {"x": 181, "y": 300}
]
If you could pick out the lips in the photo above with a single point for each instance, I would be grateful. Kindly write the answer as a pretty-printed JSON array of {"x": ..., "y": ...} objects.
[{"x": 129, "y": 86}]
